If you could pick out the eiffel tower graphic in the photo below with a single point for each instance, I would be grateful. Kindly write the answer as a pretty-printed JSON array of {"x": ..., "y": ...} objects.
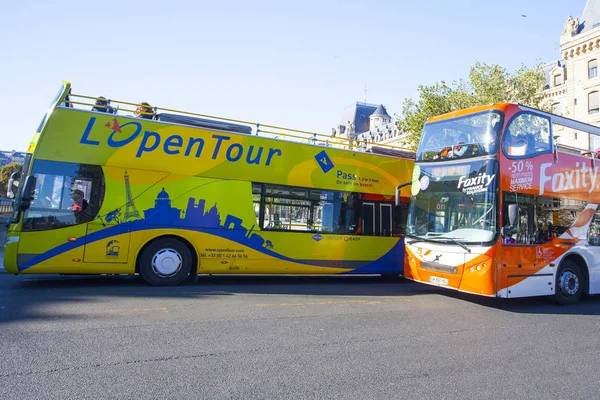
[{"x": 131, "y": 213}]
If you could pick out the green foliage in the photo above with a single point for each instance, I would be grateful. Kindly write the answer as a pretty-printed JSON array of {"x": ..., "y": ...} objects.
[
  {"x": 5, "y": 172},
  {"x": 487, "y": 84}
]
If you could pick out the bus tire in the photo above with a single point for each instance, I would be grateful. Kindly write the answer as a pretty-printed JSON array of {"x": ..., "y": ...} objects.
[
  {"x": 165, "y": 262},
  {"x": 569, "y": 283}
]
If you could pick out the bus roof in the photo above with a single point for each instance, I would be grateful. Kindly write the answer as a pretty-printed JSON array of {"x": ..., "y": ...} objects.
[
  {"x": 234, "y": 125},
  {"x": 471, "y": 110},
  {"x": 558, "y": 119}
]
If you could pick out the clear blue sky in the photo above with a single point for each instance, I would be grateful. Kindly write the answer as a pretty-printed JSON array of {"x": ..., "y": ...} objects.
[{"x": 294, "y": 65}]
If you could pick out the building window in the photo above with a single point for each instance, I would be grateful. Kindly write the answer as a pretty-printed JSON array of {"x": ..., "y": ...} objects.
[
  {"x": 592, "y": 69},
  {"x": 558, "y": 80},
  {"x": 594, "y": 143},
  {"x": 593, "y": 103},
  {"x": 557, "y": 108}
]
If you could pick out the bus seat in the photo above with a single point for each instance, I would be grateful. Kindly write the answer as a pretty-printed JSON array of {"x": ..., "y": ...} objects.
[
  {"x": 518, "y": 147},
  {"x": 204, "y": 123}
]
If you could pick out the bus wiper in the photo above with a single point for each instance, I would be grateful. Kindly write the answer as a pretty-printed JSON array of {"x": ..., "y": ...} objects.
[
  {"x": 458, "y": 242},
  {"x": 418, "y": 239},
  {"x": 422, "y": 239}
]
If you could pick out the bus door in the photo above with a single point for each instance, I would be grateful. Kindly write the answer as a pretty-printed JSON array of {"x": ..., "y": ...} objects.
[
  {"x": 518, "y": 263},
  {"x": 385, "y": 219},
  {"x": 368, "y": 219},
  {"x": 108, "y": 235},
  {"x": 65, "y": 199},
  {"x": 376, "y": 219},
  {"x": 520, "y": 256},
  {"x": 101, "y": 249}
]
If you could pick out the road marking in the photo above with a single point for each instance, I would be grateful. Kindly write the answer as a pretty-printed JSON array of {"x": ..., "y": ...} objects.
[
  {"x": 318, "y": 303},
  {"x": 134, "y": 310}
]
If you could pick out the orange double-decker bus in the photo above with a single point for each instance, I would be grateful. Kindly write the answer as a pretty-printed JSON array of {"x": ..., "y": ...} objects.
[{"x": 500, "y": 208}]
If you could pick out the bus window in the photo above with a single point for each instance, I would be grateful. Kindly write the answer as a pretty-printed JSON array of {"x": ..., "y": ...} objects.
[
  {"x": 527, "y": 135},
  {"x": 65, "y": 194},
  {"x": 256, "y": 196},
  {"x": 594, "y": 231},
  {"x": 300, "y": 209},
  {"x": 399, "y": 219},
  {"x": 538, "y": 219}
]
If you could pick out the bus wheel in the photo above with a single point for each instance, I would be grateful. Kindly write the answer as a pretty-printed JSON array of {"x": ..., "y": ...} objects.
[
  {"x": 569, "y": 283},
  {"x": 165, "y": 262}
]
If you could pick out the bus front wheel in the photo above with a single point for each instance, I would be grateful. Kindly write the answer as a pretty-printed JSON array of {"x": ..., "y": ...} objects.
[
  {"x": 569, "y": 283},
  {"x": 165, "y": 262}
]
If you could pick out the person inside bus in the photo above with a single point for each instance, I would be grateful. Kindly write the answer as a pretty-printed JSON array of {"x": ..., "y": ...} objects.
[
  {"x": 462, "y": 147},
  {"x": 101, "y": 105},
  {"x": 79, "y": 203},
  {"x": 276, "y": 221},
  {"x": 144, "y": 111},
  {"x": 435, "y": 226},
  {"x": 446, "y": 149},
  {"x": 68, "y": 102}
]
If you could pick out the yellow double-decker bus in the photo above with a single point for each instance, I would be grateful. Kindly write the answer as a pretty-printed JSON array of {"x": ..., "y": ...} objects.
[{"x": 168, "y": 195}]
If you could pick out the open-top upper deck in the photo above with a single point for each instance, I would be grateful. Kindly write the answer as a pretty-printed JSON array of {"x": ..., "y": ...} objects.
[
  {"x": 123, "y": 134},
  {"x": 179, "y": 117},
  {"x": 563, "y": 129}
]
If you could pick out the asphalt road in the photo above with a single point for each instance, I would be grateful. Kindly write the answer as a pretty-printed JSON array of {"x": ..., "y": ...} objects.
[{"x": 288, "y": 337}]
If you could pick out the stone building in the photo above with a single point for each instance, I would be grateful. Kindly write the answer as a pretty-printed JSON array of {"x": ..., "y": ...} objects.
[
  {"x": 7, "y": 157},
  {"x": 368, "y": 124},
  {"x": 573, "y": 84}
]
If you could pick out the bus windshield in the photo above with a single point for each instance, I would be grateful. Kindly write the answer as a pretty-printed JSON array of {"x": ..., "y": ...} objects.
[
  {"x": 454, "y": 203},
  {"x": 462, "y": 137}
]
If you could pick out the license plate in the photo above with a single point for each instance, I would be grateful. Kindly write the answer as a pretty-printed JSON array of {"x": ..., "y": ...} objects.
[{"x": 438, "y": 281}]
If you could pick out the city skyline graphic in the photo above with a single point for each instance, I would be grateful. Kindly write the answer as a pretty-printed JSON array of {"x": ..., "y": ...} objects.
[{"x": 195, "y": 215}]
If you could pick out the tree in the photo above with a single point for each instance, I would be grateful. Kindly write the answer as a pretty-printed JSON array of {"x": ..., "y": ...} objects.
[
  {"x": 5, "y": 172},
  {"x": 487, "y": 84}
]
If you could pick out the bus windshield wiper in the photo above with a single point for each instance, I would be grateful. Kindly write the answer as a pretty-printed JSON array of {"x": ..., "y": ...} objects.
[
  {"x": 422, "y": 239},
  {"x": 458, "y": 242}
]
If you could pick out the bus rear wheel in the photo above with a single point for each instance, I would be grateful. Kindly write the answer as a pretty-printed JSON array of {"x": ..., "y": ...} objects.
[
  {"x": 165, "y": 262},
  {"x": 569, "y": 283}
]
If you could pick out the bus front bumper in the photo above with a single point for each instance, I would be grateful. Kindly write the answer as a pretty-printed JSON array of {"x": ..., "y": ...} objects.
[{"x": 10, "y": 254}]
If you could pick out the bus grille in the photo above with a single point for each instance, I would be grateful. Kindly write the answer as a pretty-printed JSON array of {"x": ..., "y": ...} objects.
[{"x": 431, "y": 266}]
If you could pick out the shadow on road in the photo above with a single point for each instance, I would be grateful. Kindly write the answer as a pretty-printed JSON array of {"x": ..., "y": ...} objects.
[
  {"x": 28, "y": 297},
  {"x": 588, "y": 305}
]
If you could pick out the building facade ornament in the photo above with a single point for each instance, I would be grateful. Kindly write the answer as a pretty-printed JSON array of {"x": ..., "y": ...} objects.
[{"x": 571, "y": 26}]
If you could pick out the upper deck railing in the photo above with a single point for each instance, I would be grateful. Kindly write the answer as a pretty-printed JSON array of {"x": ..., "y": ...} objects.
[{"x": 126, "y": 108}]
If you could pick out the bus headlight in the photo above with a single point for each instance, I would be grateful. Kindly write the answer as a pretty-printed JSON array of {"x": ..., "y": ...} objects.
[{"x": 480, "y": 267}]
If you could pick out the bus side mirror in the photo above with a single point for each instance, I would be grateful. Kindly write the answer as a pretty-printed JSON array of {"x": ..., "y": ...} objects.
[
  {"x": 397, "y": 200},
  {"x": 13, "y": 185},
  {"x": 512, "y": 214},
  {"x": 28, "y": 192}
]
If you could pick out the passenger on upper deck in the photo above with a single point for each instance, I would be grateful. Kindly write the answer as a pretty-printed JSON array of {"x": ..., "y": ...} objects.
[
  {"x": 144, "y": 111},
  {"x": 68, "y": 100},
  {"x": 102, "y": 106},
  {"x": 462, "y": 145}
]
